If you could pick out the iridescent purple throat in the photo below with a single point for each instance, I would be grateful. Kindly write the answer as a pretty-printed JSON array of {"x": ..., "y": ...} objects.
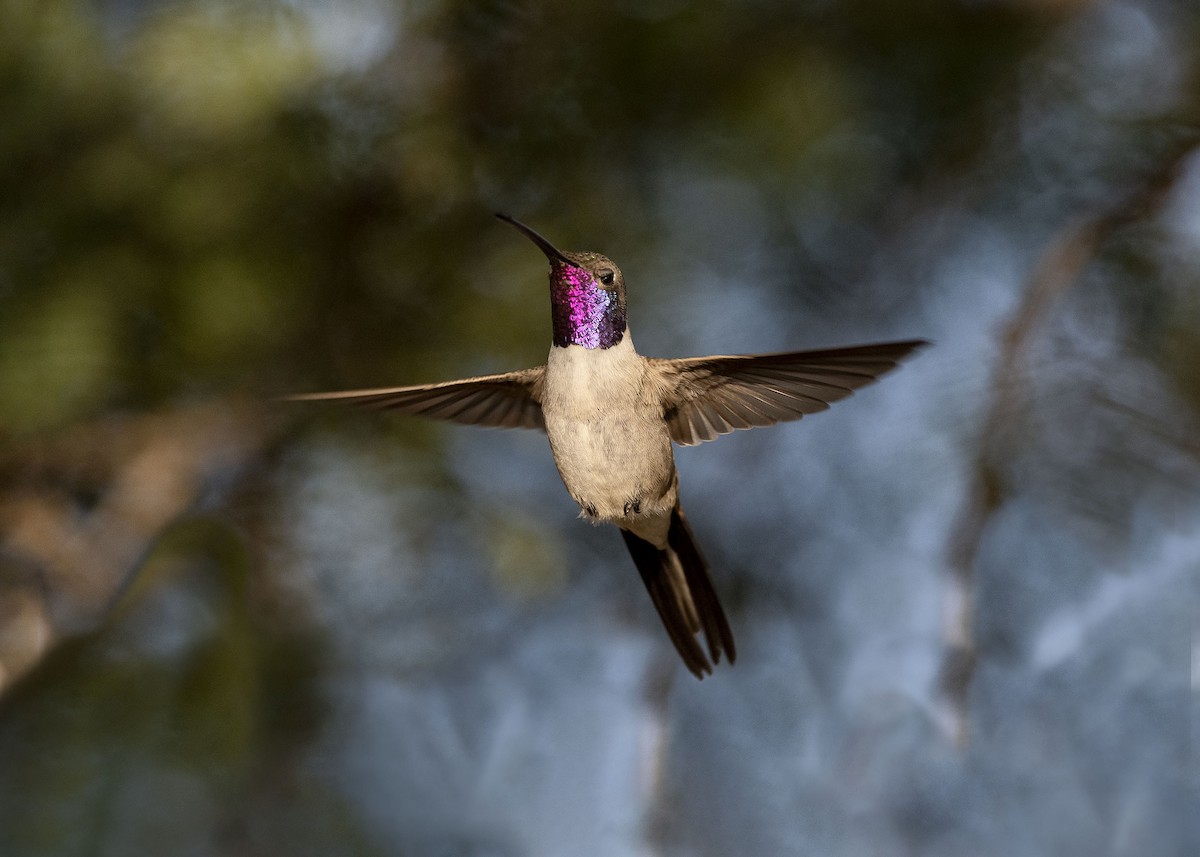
[{"x": 584, "y": 314}]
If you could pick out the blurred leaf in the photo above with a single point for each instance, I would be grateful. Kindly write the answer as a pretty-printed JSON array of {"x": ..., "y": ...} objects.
[
  {"x": 221, "y": 69},
  {"x": 59, "y": 358}
]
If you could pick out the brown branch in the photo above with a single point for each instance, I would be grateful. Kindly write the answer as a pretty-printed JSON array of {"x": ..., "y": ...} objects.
[
  {"x": 1059, "y": 269},
  {"x": 80, "y": 509}
]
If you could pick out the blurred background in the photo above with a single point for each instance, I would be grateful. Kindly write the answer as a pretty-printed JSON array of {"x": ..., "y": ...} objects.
[{"x": 965, "y": 599}]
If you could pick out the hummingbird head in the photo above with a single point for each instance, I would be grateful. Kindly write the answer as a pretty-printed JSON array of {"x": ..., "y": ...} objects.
[{"x": 587, "y": 294}]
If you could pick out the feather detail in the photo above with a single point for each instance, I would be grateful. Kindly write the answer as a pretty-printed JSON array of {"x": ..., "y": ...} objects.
[
  {"x": 509, "y": 400},
  {"x": 706, "y": 397}
]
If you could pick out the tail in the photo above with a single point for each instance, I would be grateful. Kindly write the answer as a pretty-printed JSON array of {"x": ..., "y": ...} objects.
[{"x": 677, "y": 579}]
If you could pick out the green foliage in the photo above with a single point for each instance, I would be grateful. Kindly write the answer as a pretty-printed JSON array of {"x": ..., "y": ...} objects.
[{"x": 197, "y": 197}]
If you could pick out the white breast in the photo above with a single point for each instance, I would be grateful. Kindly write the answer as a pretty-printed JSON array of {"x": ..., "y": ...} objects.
[{"x": 606, "y": 431}]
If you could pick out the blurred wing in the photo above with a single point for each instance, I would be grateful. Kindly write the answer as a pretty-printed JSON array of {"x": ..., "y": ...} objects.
[
  {"x": 707, "y": 397},
  {"x": 511, "y": 400}
]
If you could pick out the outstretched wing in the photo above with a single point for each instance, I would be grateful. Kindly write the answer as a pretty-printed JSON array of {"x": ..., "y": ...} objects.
[
  {"x": 706, "y": 397},
  {"x": 510, "y": 400}
]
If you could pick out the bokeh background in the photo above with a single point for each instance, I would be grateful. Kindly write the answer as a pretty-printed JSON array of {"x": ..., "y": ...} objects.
[{"x": 965, "y": 599}]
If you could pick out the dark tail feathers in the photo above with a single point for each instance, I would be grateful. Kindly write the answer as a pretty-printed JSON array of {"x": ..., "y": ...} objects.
[{"x": 678, "y": 582}]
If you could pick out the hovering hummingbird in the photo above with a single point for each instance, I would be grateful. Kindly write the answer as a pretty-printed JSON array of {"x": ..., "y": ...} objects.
[{"x": 611, "y": 416}]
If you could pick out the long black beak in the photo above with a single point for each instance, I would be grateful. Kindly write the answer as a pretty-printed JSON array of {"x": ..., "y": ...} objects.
[{"x": 545, "y": 246}]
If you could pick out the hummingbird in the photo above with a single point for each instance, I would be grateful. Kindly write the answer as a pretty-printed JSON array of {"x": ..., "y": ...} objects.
[{"x": 612, "y": 417}]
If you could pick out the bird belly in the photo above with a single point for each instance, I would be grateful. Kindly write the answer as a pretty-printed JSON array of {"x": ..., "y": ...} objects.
[
  {"x": 612, "y": 448},
  {"x": 614, "y": 468}
]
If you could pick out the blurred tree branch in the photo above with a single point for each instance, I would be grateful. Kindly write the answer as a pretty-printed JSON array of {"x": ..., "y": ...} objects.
[
  {"x": 82, "y": 507},
  {"x": 1057, "y": 272}
]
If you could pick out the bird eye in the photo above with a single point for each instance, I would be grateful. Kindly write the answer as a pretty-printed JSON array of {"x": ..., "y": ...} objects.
[{"x": 607, "y": 277}]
